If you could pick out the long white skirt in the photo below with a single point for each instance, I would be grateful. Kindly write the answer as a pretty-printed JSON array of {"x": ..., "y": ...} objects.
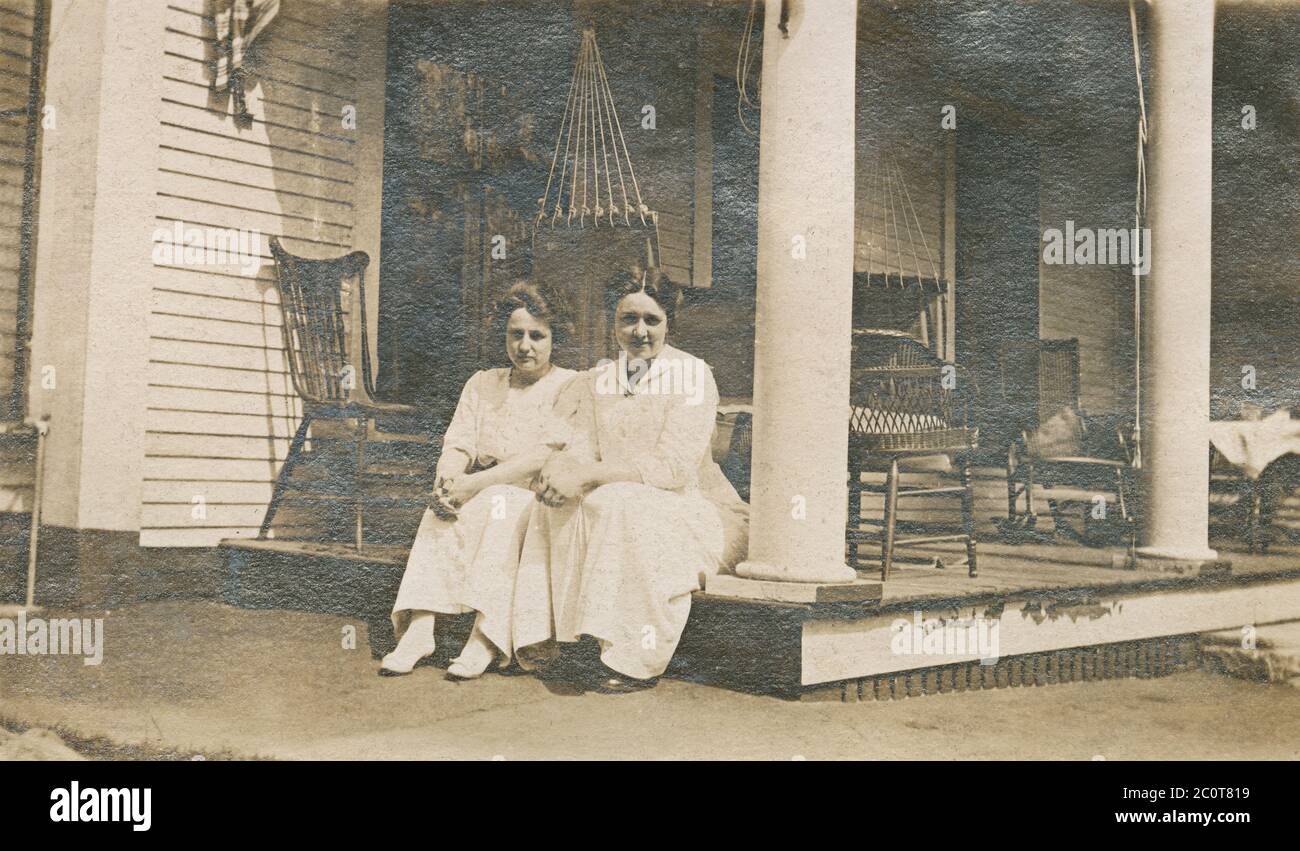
[
  {"x": 469, "y": 564},
  {"x": 620, "y": 566}
]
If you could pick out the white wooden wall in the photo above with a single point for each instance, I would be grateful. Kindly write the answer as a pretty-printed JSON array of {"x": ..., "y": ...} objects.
[
  {"x": 221, "y": 404},
  {"x": 16, "y": 21}
]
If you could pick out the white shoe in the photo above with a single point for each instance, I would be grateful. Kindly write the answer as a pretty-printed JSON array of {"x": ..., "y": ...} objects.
[
  {"x": 413, "y": 647},
  {"x": 474, "y": 658}
]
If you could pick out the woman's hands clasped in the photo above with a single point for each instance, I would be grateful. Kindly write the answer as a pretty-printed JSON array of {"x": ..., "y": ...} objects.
[
  {"x": 450, "y": 493},
  {"x": 559, "y": 481}
]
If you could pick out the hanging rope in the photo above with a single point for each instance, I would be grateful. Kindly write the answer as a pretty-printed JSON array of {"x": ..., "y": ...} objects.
[
  {"x": 1139, "y": 216},
  {"x": 744, "y": 66},
  {"x": 891, "y": 201},
  {"x": 590, "y": 132}
]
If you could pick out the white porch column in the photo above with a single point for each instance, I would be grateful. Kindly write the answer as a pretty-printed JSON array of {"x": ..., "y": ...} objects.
[
  {"x": 1176, "y": 325},
  {"x": 799, "y": 499},
  {"x": 94, "y": 271}
]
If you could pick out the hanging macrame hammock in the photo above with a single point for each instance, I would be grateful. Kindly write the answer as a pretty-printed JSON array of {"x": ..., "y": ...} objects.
[
  {"x": 896, "y": 256},
  {"x": 592, "y": 221},
  {"x": 592, "y": 181}
]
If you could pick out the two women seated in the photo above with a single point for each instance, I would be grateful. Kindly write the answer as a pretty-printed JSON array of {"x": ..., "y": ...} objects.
[{"x": 574, "y": 507}]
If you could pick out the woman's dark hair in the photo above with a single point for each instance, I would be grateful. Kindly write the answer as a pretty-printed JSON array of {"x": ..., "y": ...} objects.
[
  {"x": 540, "y": 301},
  {"x": 653, "y": 281}
]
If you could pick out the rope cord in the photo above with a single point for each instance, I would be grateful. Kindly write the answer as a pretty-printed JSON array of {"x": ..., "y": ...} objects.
[
  {"x": 934, "y": 270},
  {"x": 744, "y": 62},
  {"x": 541, "y": 202},
  {"x": 1139, "y": 216},
  {"x": 889, "y": 199},
  {"x": 590, "y": 131},
  {"x": 592, "y": 139},
  {"x": 602, "y": 118},
  {"x": 587, "y": 101},
  {"x": 600, "y": 67},
  {"x": 904, "y": 202}
]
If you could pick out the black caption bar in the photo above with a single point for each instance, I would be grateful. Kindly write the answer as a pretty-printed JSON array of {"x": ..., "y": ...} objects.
[{"x": 133, "y": 800}]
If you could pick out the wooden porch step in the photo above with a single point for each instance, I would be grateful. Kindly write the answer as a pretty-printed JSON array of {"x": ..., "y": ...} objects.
[{"x": 1269, "y": 653}]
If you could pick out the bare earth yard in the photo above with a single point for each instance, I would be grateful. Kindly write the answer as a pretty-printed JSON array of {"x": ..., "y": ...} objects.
[{"x": 198, "y": 677}]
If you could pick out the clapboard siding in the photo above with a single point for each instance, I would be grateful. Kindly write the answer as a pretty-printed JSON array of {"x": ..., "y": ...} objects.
[
  {"x": 17, "y": 21},
  {"x": 222, "y": 408},
  {"x": 208, "y": 400}
]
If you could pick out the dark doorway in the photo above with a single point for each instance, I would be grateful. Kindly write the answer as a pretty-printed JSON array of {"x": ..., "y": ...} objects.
[{"x": 997, "y": 269}]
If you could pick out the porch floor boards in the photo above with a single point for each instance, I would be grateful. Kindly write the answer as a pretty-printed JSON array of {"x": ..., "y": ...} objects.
[{"x": 1009, "y": 569}]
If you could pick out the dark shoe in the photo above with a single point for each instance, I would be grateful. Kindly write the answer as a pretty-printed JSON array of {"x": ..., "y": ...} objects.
[{"x": 609, "y": 681}]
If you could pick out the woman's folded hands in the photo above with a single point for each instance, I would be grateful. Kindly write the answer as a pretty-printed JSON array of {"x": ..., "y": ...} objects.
[
  {"x": 561, "y": 479},
  {"x": 450, "y": 493}
]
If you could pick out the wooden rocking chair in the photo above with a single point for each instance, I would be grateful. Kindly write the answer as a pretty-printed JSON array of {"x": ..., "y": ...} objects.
[
  {"x": 1058, "y": 444},
  {"x": 324, "y": 348},
  {"x": 906, "y": 405}
]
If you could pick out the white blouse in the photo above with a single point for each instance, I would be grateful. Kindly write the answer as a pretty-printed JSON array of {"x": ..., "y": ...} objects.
[
  {"x": 495, "y": 422},
  {"x": 661, "y": 423}
]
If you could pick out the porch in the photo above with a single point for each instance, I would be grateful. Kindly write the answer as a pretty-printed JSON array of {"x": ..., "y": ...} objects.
[
  {"x": 1064, "y": 613},
  {"x": 204, "y": 409}
]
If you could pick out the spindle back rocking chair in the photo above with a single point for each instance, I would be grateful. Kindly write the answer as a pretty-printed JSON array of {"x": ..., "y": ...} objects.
[{"x": 326, "y": 343}]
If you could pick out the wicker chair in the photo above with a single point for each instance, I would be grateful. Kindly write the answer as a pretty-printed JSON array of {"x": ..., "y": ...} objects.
[
  {"x": 1058, "y": 445},
  {"x": 322, "y": 347},
  {"x": 906, "y": 405}
]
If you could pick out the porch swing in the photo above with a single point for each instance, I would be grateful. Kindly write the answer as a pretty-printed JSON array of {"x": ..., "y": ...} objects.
[
  {"x": 903, "y": 273},
  {"x": 591, "y": 218}
]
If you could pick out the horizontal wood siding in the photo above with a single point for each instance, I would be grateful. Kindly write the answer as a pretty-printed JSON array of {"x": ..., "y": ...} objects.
[
  {"x": 222, "y": 407},
  {"x": 17, "y": 20}
]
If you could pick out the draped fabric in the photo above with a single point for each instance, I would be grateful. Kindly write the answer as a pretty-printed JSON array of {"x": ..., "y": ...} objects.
[{"x": 238, "y": 23}]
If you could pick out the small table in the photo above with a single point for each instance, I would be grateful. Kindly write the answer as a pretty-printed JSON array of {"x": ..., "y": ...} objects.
[
  {"x": 1250, "y": 446},
  {"x": 1254, "y": 444}
]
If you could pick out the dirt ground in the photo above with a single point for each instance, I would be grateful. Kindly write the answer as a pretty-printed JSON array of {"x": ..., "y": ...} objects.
[{"x": 196, "y": 677}]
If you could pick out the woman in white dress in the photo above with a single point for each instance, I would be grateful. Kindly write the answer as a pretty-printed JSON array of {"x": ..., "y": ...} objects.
[
  {"x": 635, "y": 512},
  {"x": 466, "y": 551}
]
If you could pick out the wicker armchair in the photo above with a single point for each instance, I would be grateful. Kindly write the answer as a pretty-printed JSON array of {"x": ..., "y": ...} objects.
[{"x": 906, "y": 405}]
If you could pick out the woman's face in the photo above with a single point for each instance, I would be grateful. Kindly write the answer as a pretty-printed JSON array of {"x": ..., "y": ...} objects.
[
  {"x": 528, "y": 342},
  {"x": 640, "y": 326}
]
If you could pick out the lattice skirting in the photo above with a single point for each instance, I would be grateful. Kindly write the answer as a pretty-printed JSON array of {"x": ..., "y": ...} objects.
[{"x": 1156, "y": 657}]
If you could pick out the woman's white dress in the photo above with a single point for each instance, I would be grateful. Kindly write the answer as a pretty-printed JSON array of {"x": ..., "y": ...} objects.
[
  {"x": 469, "y": 564},
  {"x": 620, "y": 564}
]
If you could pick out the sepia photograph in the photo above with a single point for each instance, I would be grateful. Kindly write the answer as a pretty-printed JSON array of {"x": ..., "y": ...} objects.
[{"x": 643, "y": 380}]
